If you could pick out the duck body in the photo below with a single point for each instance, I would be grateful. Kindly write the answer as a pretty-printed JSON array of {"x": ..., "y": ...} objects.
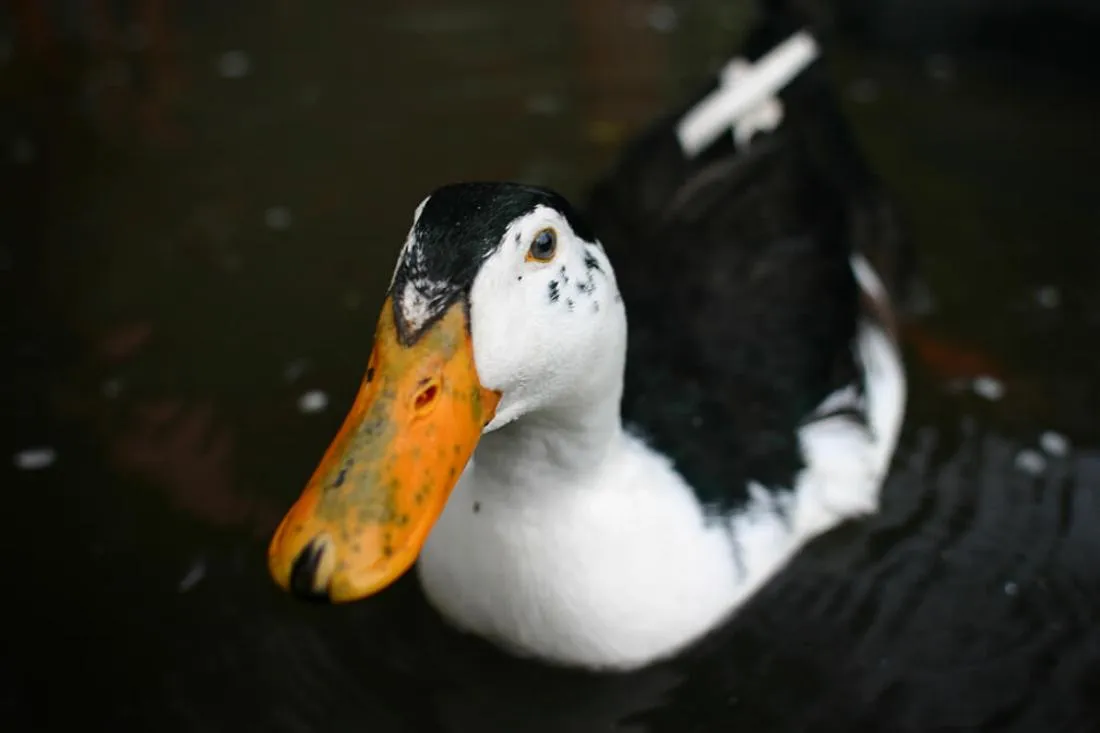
[
  {"x": 633, "y": 486},
  {"x": 631, "y": 564}
]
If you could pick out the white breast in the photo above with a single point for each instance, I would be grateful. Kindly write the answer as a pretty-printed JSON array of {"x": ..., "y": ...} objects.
[{"x": 610, "y": 574}]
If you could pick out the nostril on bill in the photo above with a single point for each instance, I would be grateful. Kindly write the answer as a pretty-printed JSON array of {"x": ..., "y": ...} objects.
[{"x": 311, "y": 572}]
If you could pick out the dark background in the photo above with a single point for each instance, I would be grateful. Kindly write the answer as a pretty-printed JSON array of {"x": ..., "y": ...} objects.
[{"x": 200, "y": 204}]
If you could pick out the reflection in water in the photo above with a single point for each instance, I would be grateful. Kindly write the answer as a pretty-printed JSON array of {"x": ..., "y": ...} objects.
[
  {"x": 122, "y": 63},
  {"x": 182, "y": 448},
  {"x": 202, "y": 206}
]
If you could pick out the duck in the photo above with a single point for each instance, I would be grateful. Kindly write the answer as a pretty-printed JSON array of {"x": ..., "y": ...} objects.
[{"x": 596, "y": 491}]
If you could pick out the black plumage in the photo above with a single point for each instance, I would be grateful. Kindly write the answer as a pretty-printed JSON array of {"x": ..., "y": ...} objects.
[{"x": 734, "y": 266}]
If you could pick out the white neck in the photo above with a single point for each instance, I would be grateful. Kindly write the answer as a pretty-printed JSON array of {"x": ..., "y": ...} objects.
[
  {"x": 565, "y": 443},
  {"x": 559, "y": 416}
]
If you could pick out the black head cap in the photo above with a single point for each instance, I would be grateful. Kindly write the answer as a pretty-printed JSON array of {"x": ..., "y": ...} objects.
[{"x": 462, "y": 224}]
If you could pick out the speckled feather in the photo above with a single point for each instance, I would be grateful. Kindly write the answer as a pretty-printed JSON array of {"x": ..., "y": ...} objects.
[{"x": 459, "y": 227}]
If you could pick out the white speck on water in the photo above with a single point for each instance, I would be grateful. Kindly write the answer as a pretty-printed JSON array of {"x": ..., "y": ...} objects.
[
  {"x": 1031, "y": 462},
  {"x": 193, "y": 576},
  {"x": 863, "y": 91},
  {"x": 662, "y": 18},
  {"x": 940, "y": 67},
  {"x": 1048, "y": 297},
  {"x": 295, "y": 369},
  {"x": 35, "y": 459},
  {"x": 278, "y": 218},
  {"x": 22, "y": 151},
  {"x": 234, "y": 65},
  {"x": 313, "y": 401},
  {"x": 1054, "y": 444},
  {"x": 543, "y": 103},
  {"x": 1011, "y": 589},
  {"x": 112, "y": 388},
  {"x": 988, "y": 387}
]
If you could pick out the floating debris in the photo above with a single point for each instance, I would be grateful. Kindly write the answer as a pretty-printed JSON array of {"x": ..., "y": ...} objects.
[
  {"x": 313, "y": 401},
  {"x": 1031, "y": 462},
  {"x": 662, "y": 18},
  {"x": 1048, "y": 297},
  {"x": 278, "y": 218},
  {"x": 234, "y": 65},
  {"x": 295, "y": 369},
  {"x": 1011, "y": 589},
  {"x": 988, "y": 387},
  {"x": 193, "y": 576},
  {"x": 1054, "y": 444},
  {"x": 35, "y": 459}
]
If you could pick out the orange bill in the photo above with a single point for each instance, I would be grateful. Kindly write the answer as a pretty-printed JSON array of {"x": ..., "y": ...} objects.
[{"x": 383, "y": 482}]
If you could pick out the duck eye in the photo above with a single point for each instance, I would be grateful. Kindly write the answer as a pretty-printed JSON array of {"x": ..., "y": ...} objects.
[{"x": 543, "y": 246}]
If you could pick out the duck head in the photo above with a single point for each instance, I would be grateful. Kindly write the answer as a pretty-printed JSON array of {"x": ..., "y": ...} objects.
[{"x": 502, "y": 306}]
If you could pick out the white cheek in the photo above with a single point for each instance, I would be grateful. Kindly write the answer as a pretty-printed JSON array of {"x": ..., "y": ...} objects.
[
  {"x": 496, "y": 309},
  {"x": 535, "y": 348},
  {"x": 511, "y": 326}
]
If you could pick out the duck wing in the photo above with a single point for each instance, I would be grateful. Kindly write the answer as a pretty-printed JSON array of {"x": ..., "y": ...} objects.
[{"x": 735, "y": 266}]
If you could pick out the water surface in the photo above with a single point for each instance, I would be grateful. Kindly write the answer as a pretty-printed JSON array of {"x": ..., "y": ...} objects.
[{"x": 202, "y": 206}]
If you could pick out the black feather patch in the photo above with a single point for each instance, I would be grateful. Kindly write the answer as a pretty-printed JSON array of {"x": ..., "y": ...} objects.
[
  {"x": 591, "y": 263},
  {"x": 460, "y": 226},
  {"x": 735, "y": 266}
]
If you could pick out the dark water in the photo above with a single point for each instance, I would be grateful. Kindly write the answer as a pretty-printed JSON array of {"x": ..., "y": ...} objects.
[{"x": 201, "y": 206}]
